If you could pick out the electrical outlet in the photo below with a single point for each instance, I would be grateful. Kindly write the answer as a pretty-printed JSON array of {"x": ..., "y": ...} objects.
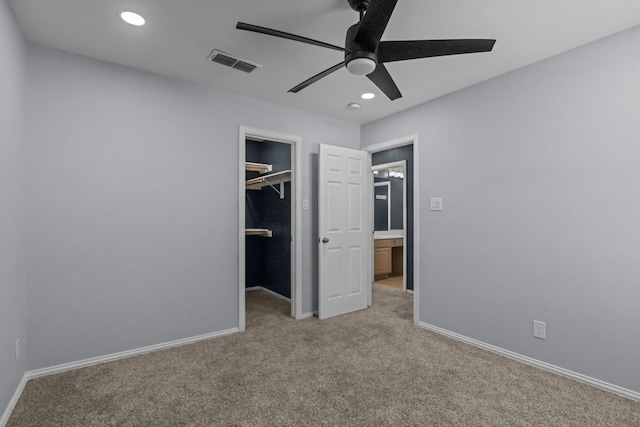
[
  {"x": 17, "y": 349},
  {"x": 539, "y": 329}
]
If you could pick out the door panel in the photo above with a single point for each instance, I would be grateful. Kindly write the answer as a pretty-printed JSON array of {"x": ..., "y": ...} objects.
[
  {"x": 343, "y": 230},
  {"x": 355, "y": 208}
]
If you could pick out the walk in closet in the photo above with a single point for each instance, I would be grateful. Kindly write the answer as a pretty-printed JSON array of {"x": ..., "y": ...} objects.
[{"x": 268, "y": 217}]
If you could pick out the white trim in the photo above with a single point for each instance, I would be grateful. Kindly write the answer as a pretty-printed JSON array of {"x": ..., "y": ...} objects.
[
  {"x": 269, "y": 291},
  {"x": 382, "y": 166},
  {"x": 409, "y": 291},
  {"x": 296, "y": 215},
  {"x": 125, "y": 354},
  {"x": 603, "y": 385},
  {"x": 242, "y": 177},
  {"x": 275, "y": 294},
  {"x": 14, "y": 399},
  {"x": 416, "y": 229},
  {"x": 308, "y": 315},
  {"x": 405, "y": 206},
  {"x": 386, "y": 145},
  {"x": 394, "y": 143}
]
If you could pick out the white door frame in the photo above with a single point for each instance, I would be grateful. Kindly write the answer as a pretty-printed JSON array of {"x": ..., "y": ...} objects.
[
  {"x": 296, "y": 216},
  {"x": 399, "y": 164},
  {"x": 386, "y": 145}
]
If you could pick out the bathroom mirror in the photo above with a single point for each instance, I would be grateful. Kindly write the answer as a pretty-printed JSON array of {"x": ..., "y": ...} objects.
[{"x": 388, "y": 190}]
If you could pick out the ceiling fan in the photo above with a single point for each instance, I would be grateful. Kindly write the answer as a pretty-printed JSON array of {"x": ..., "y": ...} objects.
[{"x": 365, "y": 54}]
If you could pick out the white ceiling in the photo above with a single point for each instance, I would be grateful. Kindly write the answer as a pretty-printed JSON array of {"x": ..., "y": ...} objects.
[{"x": 179, "y": 35}]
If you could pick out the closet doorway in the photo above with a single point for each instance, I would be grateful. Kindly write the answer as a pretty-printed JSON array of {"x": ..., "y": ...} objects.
[{"x": 269, "y": 217}]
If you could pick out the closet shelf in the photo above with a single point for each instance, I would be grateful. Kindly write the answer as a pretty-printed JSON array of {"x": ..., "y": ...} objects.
[
  {"x": 263, "y": 232},
  {"x": 271, "y": 180},
  {"x": 257, "y": 167}
]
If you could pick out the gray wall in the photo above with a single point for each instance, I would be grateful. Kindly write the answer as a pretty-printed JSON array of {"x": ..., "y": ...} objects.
[
  {"x": 13, "y": 291},
  {"x": 133, "y": 202},
  {"x": 539, "y": 174}
]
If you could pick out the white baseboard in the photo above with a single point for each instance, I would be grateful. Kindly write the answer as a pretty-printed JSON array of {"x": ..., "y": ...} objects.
[
  {"x": 612, "y": 388},
  {"x": 410, "y": 291},
  {"x": 308, "y": 315},
  {"x": 103, "y": 359},
  {"x": 269, "y": 291},
  {"x": 13, "y": 401},
  {"x": 124, "y": 354},
  {"x": 275, "y": 294}
]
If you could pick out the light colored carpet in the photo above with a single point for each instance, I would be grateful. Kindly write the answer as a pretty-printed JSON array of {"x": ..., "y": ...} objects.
[{"x": 370, "y": 368}]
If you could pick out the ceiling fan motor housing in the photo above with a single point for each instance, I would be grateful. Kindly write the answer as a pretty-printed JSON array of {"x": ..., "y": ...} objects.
[{"x": 359, "y": 61}]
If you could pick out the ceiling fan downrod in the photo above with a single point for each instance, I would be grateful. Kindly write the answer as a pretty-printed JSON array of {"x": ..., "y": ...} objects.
[
  {"x": 358, "y": 60},
  {"x": 359, "y": 6}
]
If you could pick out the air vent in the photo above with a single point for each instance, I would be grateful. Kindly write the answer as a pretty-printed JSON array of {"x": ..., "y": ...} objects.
[
  {"x": 244, "y": 66},
  {"x": 232, "y": 61}
]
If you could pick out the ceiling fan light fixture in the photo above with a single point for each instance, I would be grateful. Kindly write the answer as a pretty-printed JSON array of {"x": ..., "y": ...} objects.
[
  {"x": 364, "y": 52},
  {"x": 361, "y": 66},
  {"x": 132, "y": 18}
]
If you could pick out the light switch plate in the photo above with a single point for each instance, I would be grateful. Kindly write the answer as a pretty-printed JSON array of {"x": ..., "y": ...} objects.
[
  {"x": 436, "y": 203},
  {"x": 305, "y": 204}
]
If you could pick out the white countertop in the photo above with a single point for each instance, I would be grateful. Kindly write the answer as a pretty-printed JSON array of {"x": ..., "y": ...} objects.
[{"x": 390, "y": 234}]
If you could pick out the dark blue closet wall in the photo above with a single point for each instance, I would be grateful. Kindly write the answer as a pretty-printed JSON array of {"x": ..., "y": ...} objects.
[
  {"x": 397, "y": 204},
  {"x": 394, "y": 155},
  {"x": 380, "y": 206},
  {"x": 268, "y": 260}
]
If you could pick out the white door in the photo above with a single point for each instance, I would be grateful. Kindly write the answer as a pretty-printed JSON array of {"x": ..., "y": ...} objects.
[{"x": 344, "y": 233}]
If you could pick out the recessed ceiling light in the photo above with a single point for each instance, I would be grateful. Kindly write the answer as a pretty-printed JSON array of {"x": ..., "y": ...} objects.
[
  {"x": 368, "y": 95},
  {"x": 353, "y": 106},
  {"x": 132, "y": 18}
]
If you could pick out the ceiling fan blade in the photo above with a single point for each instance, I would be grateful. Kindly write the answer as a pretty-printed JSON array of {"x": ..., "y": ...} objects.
[
  {"x": 381, "y": 78},
  {"x": 317, "y": 77},
  {"x": 276, "y": 33},
  {"x": 374, "y": 23},
  {"x": 389, "y": 51}
]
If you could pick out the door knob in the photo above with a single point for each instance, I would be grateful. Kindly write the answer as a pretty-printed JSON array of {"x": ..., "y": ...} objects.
[{"x": 325, "y": 240}]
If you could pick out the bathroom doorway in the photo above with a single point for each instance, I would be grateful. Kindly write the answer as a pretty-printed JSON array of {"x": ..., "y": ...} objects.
[{"x": 390, "y": 218}]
